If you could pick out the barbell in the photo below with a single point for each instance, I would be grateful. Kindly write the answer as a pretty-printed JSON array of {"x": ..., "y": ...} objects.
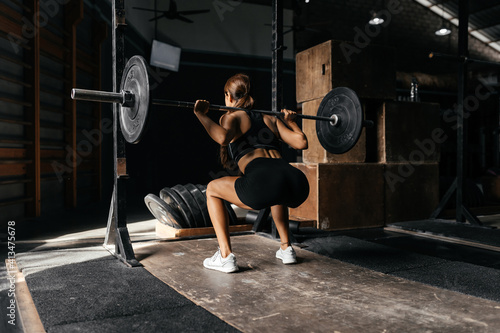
[{"x": 339, "y": 120}]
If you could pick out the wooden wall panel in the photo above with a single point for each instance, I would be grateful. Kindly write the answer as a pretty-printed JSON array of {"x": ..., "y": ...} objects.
[
  {"x": 73, "y": 15},
  {"x": 42, "y": 114},
  {"x": 10, "y": 20},
  {"x": 12, "y": 170},
  {"x": 32, "y": 114}
]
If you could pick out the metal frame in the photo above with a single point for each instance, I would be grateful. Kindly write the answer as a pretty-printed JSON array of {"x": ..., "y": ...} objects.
[
  {"x": 117, "y": 239},
  {"x": 276, "y": 87},
  {"x": 277, "y": 92},
  {"x": 277, "y": 56},
  {"x": 462, "y": 213}
]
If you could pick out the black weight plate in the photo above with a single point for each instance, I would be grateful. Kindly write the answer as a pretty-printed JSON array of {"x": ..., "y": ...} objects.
[
  {"x": 340, "y": 138},
  {"x": 251, "y": 217},
  {"x": 173, "y": 199},
  {"x": 203, "y": 189},
  {"x": 133, "y": 120},
  {"x": 163, "y": 212},
  {"x": 201, "y": 200},
  {"x": 191, "y": 204},
  {"x": 233, "y": 219},
  {"x": 173, "y": 205}
]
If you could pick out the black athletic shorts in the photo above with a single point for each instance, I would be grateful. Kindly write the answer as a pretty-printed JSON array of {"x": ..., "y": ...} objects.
[{"x": 271, "y": 181}]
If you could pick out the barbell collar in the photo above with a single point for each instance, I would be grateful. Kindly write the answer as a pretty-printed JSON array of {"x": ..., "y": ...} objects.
[
  {"x": 334, "y": 120},
  {"x": 128, "y": 99}
]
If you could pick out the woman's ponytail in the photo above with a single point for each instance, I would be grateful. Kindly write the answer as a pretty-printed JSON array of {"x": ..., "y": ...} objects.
[{"x": 238, "y": 86}]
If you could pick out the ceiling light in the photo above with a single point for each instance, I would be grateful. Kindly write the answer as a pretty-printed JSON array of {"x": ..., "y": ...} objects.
[
  {"x": 376, "y": 20},
  {"x": 443, "y": 31}
]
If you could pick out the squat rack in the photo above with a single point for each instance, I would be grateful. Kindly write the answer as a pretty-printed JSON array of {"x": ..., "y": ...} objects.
[
  {"x": 117, "y": 239},
  {"x": 462, "y": 213}
]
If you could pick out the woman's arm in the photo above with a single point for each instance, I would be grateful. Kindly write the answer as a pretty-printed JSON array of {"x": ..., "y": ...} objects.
[
  {"x": 220, "y": 134},
  {"x": 290, "y": 132}
]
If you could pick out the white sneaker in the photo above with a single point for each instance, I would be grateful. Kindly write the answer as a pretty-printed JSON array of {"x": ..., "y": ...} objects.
[
  {"x": 287, "y": 255},
  {"x": 226, "y": 265}
]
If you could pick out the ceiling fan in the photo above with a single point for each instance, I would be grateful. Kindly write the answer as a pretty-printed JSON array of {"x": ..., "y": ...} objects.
[{"x": 173, "y": 14}]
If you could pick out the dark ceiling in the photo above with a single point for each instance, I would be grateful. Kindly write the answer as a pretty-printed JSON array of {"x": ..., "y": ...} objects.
[{"x": 484, "y": 16}]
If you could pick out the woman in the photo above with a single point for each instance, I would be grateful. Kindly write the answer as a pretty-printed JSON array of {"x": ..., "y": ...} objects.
[{"x": 252, "y": 140}]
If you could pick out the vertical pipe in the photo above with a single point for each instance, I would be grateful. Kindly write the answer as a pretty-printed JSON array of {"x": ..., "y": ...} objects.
[
  {"x": 117, "y": 231},
  {"x": 277, "y": 56},
  {"x": 118, "y": 52},
  {"x": 463, "y": 38},
  {"x": 496, "y": 147},
  {"x": 496, "y": 140}
]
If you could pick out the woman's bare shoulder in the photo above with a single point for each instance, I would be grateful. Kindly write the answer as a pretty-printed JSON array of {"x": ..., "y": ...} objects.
[
  {"x": 268, "y": 119},
  {"x": 232, "y": 116}
]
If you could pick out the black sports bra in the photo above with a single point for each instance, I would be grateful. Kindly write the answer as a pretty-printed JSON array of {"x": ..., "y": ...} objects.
[{"x": 258, "y": 136}]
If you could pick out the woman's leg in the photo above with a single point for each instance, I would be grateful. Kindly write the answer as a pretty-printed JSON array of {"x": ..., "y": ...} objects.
[
  {"x": 218, "y": 190},
  {"x": 280, "y": 217}
]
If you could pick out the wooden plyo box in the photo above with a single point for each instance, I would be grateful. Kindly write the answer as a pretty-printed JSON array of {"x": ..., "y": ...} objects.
[
  {"x": 343, "y": 196},
  {"x": 411, "y": 191},
  {"x": 369, "y": 71},
  {"x": 408, "y": 131},
  {"x": 315, "y": 153},
  {"x": 167, "y": 232}
]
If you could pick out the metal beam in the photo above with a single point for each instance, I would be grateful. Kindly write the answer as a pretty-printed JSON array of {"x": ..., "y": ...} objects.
[
  {"x": 117, "y": 233},
  {"x": 463, "y": 45},
  {"x": 277, "y": 56}
]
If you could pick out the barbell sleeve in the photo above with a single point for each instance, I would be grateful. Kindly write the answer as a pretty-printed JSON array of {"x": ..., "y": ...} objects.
[{"x": 124, "y": 98}]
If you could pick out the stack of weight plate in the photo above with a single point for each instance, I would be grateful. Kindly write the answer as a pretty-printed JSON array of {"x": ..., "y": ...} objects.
[{"x": 184, "y": 206}]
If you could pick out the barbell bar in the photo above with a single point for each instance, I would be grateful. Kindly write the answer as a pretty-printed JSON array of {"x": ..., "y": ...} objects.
[
  {"x": 339, "y": 119},
  {"x": 165, "y": 102},
  {"x": 126, "y": 98}
]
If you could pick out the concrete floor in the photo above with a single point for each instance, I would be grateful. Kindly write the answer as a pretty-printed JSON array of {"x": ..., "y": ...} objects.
[
  {"x": 318, "y": 294},
  {"x": 356, "y": 281}
]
